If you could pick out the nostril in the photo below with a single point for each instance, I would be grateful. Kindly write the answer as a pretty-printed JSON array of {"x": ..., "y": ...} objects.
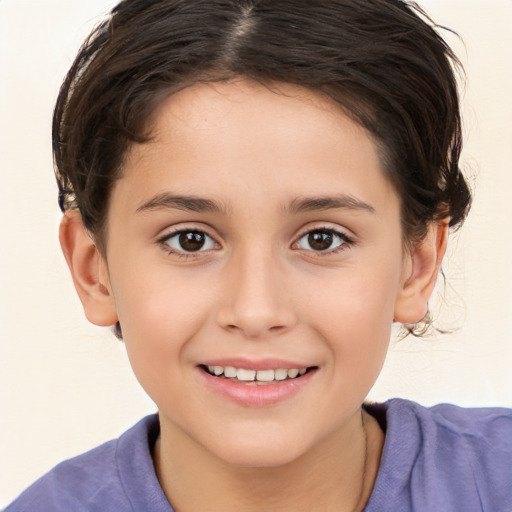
[{"x": 274, "y": 329}]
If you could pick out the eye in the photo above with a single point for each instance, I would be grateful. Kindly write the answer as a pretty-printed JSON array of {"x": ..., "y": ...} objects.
[
  {"x": 189, "y": 241},
  {"x": 322, "y": 240}
]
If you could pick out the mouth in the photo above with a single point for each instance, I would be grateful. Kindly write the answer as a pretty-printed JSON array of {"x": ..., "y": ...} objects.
[{"x": 256, "y": 377}]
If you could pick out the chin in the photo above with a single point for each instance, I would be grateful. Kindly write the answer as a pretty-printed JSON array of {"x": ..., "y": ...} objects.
[
  {"x": 260, "y": 449},
  {"x": 260, "y": 456}
]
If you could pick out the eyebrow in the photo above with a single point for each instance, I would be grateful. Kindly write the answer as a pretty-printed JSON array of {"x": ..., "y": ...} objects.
[
  {"x": 343, "y": 201},
  {"x": 167, "y": 200}
]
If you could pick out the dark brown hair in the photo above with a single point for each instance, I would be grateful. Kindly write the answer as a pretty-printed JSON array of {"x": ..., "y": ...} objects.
[{"x": 383, "y": 61}]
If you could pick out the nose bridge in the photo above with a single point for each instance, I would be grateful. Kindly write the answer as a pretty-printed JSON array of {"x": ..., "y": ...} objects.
[{"x": 256, "y": 302}]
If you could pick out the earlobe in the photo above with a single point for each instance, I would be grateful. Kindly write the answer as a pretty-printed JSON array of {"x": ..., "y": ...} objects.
[
  {"x": 419, "y": 275},
  {"x": 88, "y": 270}
]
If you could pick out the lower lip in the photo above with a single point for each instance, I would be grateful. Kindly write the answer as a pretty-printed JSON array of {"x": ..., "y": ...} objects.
[{"x": 251, "y": 395}]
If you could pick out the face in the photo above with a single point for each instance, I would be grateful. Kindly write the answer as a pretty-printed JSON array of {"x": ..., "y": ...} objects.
[{"x": 254, "y": 254}]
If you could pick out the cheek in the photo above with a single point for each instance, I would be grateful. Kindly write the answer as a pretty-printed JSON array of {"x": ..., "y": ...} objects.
[
  {"x": 159, "y": 312},
  {"x": 355, "y": 309},
  {"x": 358, "y": 335},
  {"x": 351, "y": 296},
  {"x": 154, "y": 297}
]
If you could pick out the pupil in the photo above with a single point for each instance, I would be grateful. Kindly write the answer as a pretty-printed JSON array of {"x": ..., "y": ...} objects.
[
  {"x": 320, "y": 240},
  {"x": 191, "y": 241}
]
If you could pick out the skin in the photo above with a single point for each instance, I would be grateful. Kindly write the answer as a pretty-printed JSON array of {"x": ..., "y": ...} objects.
[{"x": 259, "y": 290}]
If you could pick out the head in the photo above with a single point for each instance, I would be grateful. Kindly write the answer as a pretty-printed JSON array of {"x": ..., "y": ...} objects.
[{"x": 368, "y": 86}]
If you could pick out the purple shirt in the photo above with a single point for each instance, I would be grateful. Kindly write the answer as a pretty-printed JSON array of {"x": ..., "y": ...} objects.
[{"x": 439, "y": 459}]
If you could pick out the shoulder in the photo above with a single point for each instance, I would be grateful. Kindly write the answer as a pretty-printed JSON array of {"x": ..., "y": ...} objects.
[
  {"x": 479, "y": 436},
  {"x": 68, "y": 484},
  {"x": 98, "y": 479},
  {"x": 477, "y": 424},
  {"x": 448, "y": 457}
]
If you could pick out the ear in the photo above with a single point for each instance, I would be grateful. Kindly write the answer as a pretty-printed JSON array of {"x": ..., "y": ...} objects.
[
  {"x": 88, "y": 270},
  {"x": 419, "y": 275}
]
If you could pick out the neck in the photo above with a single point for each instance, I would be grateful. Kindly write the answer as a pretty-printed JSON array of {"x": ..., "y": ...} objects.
[{"x": 338, "y": 474}]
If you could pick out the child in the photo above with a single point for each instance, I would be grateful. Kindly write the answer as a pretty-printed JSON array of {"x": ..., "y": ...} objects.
[{"x": 253, "y": 192}]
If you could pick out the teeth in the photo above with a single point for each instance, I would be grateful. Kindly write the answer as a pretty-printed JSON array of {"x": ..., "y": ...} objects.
[
  {"x": 242, "y": 374},
  {"x": 216, "y": 370},
  {"x": 245, "y": 375},
  {"x": 265, "y": 375},
  {"x": 229, "y": 372},
  {"x": 280, "y": 374},
  {"x": 293, "y": 373}
]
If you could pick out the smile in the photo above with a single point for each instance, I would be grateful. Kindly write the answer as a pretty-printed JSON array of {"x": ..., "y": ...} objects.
[
  {"x": 257, "y": 385},
  {"x": 255, "y": 376}
]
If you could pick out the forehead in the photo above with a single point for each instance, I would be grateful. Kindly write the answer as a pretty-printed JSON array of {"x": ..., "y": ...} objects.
[
  {"x": 210, "y": 138},
  {"x": 234, "y": 100}
]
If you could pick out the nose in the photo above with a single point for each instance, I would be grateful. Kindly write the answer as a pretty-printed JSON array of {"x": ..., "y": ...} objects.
[{"x": 256, "y": 301}]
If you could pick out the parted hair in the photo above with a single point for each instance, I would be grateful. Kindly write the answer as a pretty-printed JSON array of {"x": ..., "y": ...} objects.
[{"x": 384, "y": 62}]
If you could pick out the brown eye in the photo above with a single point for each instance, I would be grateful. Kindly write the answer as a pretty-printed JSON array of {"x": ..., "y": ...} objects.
[
  {"x": 190, "y": 241},
  {"x": 322, "y": 240}
]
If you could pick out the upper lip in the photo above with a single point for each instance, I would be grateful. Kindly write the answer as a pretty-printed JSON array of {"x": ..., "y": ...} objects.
[{"x": 256, "y": 364}]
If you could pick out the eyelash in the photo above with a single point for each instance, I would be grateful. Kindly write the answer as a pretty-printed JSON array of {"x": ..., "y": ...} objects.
[
  {"x": 345, "y": 242},
  {"x": 164, "y": 243}
]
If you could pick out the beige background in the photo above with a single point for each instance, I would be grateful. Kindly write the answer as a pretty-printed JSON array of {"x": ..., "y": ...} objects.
[{"x": 66, "y": 386}]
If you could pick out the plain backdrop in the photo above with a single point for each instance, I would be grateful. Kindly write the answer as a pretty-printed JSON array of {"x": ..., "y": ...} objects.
[{"x": 66, "y": 386}]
